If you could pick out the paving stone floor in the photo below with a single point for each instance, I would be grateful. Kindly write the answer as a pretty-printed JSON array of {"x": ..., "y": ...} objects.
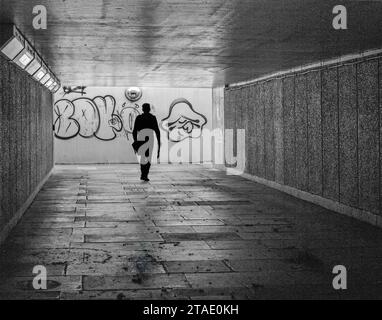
[{"x": 190, "y": 233}]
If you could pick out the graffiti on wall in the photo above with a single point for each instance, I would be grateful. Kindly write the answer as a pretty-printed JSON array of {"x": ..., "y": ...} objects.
[
  {"x": 99, "y": 117},
  {"x": 87, "y": 118},
  {"x": 183, "y": 121},
  {"x": 78, "y": 89},
  {"x": 128, "y": 114}
]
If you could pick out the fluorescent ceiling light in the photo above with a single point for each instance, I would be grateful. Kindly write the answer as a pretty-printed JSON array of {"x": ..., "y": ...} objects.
[
  {"x": 40, "y": 74},
  {"x": 25, "y": 59},
  {"x": 49, "y": 83},
  {"x": 34, "y": 65},
  {"x": 11, "y": 41},
  {"x": 52, "y": 86},
  {"x": 25, "y": 56},
  {"x": 16, "y": 48},
  {"x": 45, "y": 78},
  {"x": 56, "y": 88}
]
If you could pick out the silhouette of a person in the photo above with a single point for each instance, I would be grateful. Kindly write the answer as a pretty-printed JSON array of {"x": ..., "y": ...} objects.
[{"x": 144, "y": 127}]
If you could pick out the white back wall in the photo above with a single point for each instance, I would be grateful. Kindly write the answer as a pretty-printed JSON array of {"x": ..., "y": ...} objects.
[{"x": 94, "y": 124}]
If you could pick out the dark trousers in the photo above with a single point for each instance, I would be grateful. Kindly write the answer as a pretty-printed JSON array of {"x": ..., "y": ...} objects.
[{"x": 145, "y": 168}]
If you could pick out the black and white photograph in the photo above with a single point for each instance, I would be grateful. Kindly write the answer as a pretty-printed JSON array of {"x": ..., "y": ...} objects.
[{"x": 190, "y": 155}]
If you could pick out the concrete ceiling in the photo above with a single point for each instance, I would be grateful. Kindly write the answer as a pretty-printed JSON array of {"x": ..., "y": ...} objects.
[{"x": 190, "y": 43}]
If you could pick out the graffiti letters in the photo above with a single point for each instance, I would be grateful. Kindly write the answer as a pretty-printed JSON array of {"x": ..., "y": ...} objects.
[
  {"x": 66, "y": 127},
  {"x": 128, "y": 114},
  {"x": 87, "y": 118},
  {"x": 78, "y": 89},
  {"x": 183, "y": 121}
]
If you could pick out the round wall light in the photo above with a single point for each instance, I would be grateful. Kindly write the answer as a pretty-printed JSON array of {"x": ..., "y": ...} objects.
[{"x": 133, "y": 93}]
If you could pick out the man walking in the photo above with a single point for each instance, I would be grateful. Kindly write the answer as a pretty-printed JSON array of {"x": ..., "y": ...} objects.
[{"x": 144, "y": 127}]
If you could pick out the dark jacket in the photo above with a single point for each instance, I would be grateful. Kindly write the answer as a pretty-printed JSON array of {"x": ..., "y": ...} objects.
[{"x": 146, "y": 121}]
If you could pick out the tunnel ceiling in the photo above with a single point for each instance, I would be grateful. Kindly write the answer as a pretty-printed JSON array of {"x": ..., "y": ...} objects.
[{"x": 184, "y": 43}]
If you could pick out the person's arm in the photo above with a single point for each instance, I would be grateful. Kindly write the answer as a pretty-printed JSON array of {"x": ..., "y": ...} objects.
[{"x": 135, "y": 130}]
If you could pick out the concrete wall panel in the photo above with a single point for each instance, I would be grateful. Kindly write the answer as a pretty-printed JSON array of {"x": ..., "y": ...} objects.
[
  {"x": 260, "y": 131},
  {"x": 347, "y": 97},
  {"x": 25, "y": 108},
  {"x": 229, "y": 118},
  {"x": 2, "y": 147},
  {"x": 278, "y": 130},
  {"x": 251, "y": 130},
  {"x": 289, "y": 132},
  {"x": 258, "y": 145},
  {"x": 368, "y": 135},
  {"x": 6, "y": 164},
  {"x": 319, "y": 131},
  {"x": 301, "y": 131},
  {"x": 330, "y": 134},
  {"x": 245, "y": 120},
  {"x": 313, "y": 96},
  {"x": 269, "y": 138},
  {"x": 380, "y": 135}
]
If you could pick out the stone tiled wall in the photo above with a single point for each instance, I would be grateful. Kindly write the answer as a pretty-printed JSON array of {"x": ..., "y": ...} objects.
[
  {"x": 318, "y": 131},
  {"x": 26, "y": 139},
  {"x": 218, "y": 123}
]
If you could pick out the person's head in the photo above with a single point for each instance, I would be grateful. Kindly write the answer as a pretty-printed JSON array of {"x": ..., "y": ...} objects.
[{"x": 146, "y": 107}]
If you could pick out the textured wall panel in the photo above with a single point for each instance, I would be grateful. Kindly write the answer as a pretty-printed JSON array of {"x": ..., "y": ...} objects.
[
  {"x": 2, "y": 147},
  {"x": 368, "y": 135},
  {"x": 240, "y": 123},
  {"x": 229, "y": 122},
  {"x": 289, "y": 132},
  {"x": 24, "y": 141},
  {"x": 347, "y": 98},
  {"x": 244, "y": 111},
  {"x": 234, "y": 105},
  {"x": 28, "y": 129},
  {"x": 18, "y": 106},
  {"x": 313, "y": 96},
  {"x": 278, "y": 130},
  {"x": 6, "y": 163},
  {"x": 269, "y": 131},
  {"x": 217, "y": 124},
  {"x": 251, "y": 157},
  {"x": 240, "y": 101},
  {"x": 319, "y": 131},
  {"x": 330, "y": 134},
  {"x": 26, "y": 108},
  {"x": 256, "y": 145},
  {"x": 301, "y": 130},
  {"x": 380, "y": 135},
  {"x": 260, "y": 131},
  {"x": 12, "y": 101}
]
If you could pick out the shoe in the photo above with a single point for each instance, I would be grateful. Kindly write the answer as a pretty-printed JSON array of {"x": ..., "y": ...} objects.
[{"x": 146, "y": 179}]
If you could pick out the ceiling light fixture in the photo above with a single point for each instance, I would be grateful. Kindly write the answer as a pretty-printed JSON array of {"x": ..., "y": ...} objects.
[
  {"x": 16, "y": 48},
  {"x": 57, "y": 87},
  {"x": 40, "y": 73},
  {"x": 45, "y": 78},
  {"x": 34, "y": 65},
  {"x": 25, "y": 56},
  {"x": 52, "y": 85},
  {"x": 49, "y": 83},
  {"x": 11, "y": 41}
]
